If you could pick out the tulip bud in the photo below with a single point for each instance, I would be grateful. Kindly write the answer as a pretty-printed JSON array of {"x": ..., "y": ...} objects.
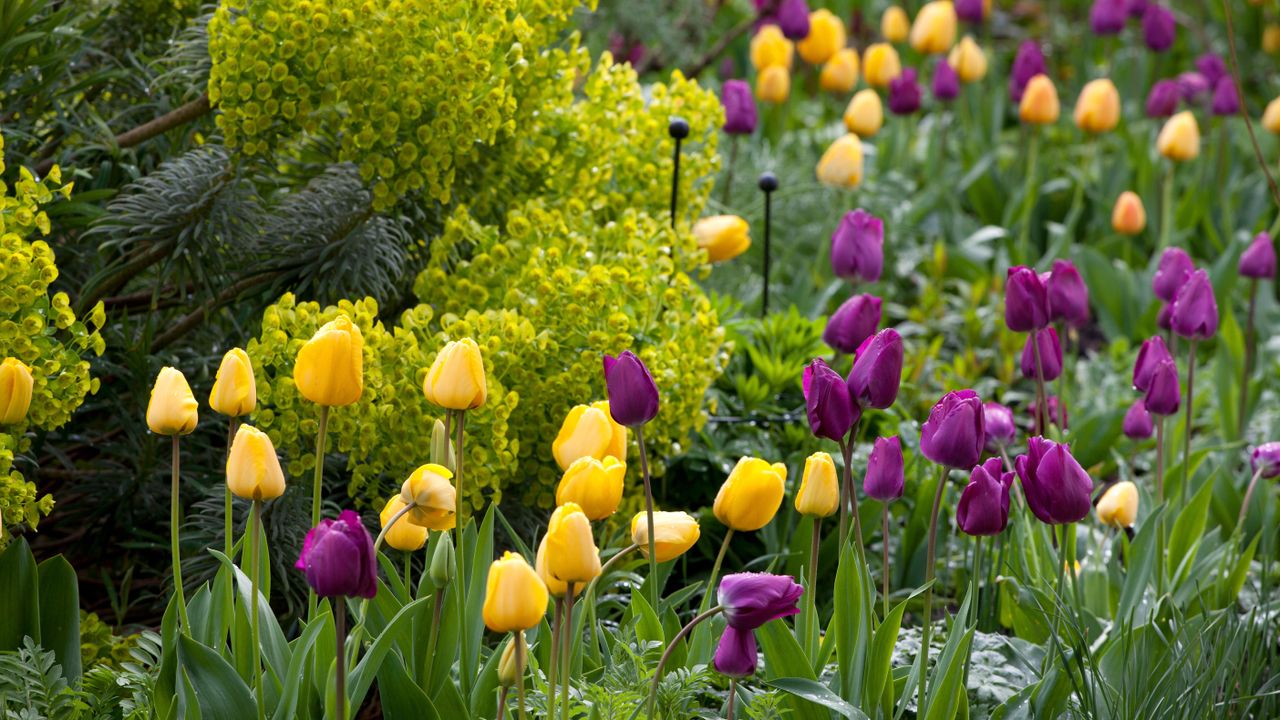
[
  {"x": 864, "y": 116},
  {"x": 1137, "y": 422},
  {"x": 338, "y": 558},
  {"x": 840, "y": 72},
  {"x": 934, "y": 30},
  {"x": 793, "y": 18},
  {"x": 508, "y": 676},
  {"x": 1028, "y": 63},
  {"x": 753, "y": 599},
  {"x": 172, "y": 409},
  {"x": 1271, "y": 116},
  {"x": 1050, "y": 355},
  {"x": 877, "y": 370},
  {"x": 827, "y": 403},
  {"x": 1271, "y": 39},
  {"x": 1026, "y": 300},
  {"x": 1129, "y": 216},
  {"x": 572, "y": 556},
  {"x": 1136, "y": 8},
  {"x": 234, "y": 391},
  {"x": 904, "y": 93},
  {"x": 736, "y": 655},
  {"x": 1039, "y": 104},
  {"x": 1068, "y": 296},
  {"x": 773, "y": 84},
  {"x": 857, "y": 246},
  {"x": 1107, "y": 17},
  {"x": 1195, "y": 310},
  {"x": 1159, "y": 29},
  {"x": 633, "y": 396},
  {"x": 329, "y": 370},
  {"x": 595, "y": 485},
  {"x": 1226, "y": 101},
  {"x": 972, "y": 11},
  {"x": 770, "y": 48},
  {"x": 433, "y": 497},
  {"x": 1174, "y": 269},
  {"x": 955, "y": 432},
  {"x": 1163, "y": 395},
  {"x": 442, "y": 562},
  {"x": 1000, "y": 427},
  {"x": 253, "y": 469},
  {"x": 1179, "y": 139},
  {"x": 880, "y": 64},
  {"x": 1098, "y": 107},
  {"x": 1152, "y": 353},
  {"x": 983, "y": 508},
  {"x": 586, "y": 432},
  {"x": 1118, "y": 506},
  {"x": 1258, "y": 261},
  {"x": 724, "y": 237},
  {"x": 946, "y": 84},
  {"x": 1192, "y": 87},
  {"x": 1058, "y": 490},
  {"x": 751, "y": 495},
  {"x": 1163, "y": 99},
  {"x": 404, "y": 535},
  {"x": 819, "y": 494},
  {"x": 825, "y": 38},
  {"x": 441, "y": 447},
  {"x": 739, "y": 108},
  {"x": 1266, "y": 459},
  {"x": 1212, "y": 66},
  {"x": 456, "y": 380},
  {"x": 841, "y": 165},
  {"x": 886, "y": 471},
  {"x": 16, "y": 384},
  {"x": 515, "y": 598},
  {"x": 673, "y": 533},
  {"x": 854, "y": 321},
  {"x": 968, "y": 60},
  {"x": 894, "y": 25}
]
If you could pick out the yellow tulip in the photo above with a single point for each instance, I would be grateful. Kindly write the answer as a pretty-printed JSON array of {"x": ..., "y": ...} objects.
[
  {"x": 894, "y": 25},
  {"x": 234, "y": 391},
  {"x": 934, "y": 30},
  {"x": 586, "y": 432},
  {"x": 840, "y": 73},
  {"x": 330, "y": 366},
  {"x": 595, "y": 485},
  {"x": 253, "y": 469},
  {"x": 514, "y": 596},
  {"x": 968, "y": 60},
  {"x": 841, "y": 164},
  {"x": 825, "y": 38},
  {"x": 172, "y": 409},
  {"x": 880, "y": 64},
  {"x": 1098, "y": 107},
  {"x": 15, "y": 391},
  {"x": 555, "y": 586},
  {"x": 1179, "y": 139},
  {"x": 572, "y": 556},
  {"x": 752, "y": 494},
  {"x": 1039, "y": 102},
  {"x": 724, "y": 237},
  {"x": 404, "y": 535},
  {"x": 770, "y": 47},
  {"x": 673, "y": 534},
  {"x": 1118, "y": 506},
  {"x": 819, "y": 494},
  {"x": 865, "y": 114},
  {"x": 1129, "y": 217},
  {"x": 456, "y": 378},
  {"x": 618, "y": 443},
  {"x": 1271, "y": 116},
  {"x": 1271, "y": 39},
  {"x": 433, "y": 497},
  {"x": 773, "y": 84}
]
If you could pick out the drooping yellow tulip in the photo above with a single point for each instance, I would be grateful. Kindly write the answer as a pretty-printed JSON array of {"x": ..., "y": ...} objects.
[
  {"x": 330, "y": 366},
  {"x": 934, "y": 30},
  {"x": 434, "y": 499},
  {"x": 894, "y": 24},
  {"x": 865, "y": 114},
  {"x": 1129, "y": 217},
  {"x": 515, "y": 597},
  {"x": 880, "y": 64},
  {"x": 773, "y": 84},
  {"x": 456, "y": 379},
  {"x": 16, "y": 385},
  {"x": 1098, "y": 107},
  {"x": 673, "y": 534},
  {"x": 1271, "y": 116},
  {"x": 586, "y": 432},
  {"x": 840, "y": 73},
  {"x": 1179, "y": 139},
  {"x": 404, "y": 535},
  {"x": 819, "y": 493},
  {"x": 595, "y": 485},
  {"x": 253, "y": 468},
  {"x": 769, "y": 47},
  {"x": 841, "y": 164},
  {"x": 234, "y": 391},
  {"x": 826, "y": 37},
  {"x": 172, "y": 409},
  {"x": 1118, "y": 506},
  {"x": 968, "y": 60},
  {"x": 571, "y": 548},
  {"x": 752, "y": 494},
  {"x": 724, "y": 237}
]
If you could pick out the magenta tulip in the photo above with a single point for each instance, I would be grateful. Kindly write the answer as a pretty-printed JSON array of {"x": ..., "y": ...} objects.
[
  {"x": 877, "y": 370},
  {"x": 338, "y": 558},
  {"x": 857, "y": 247},
  {"x": 633, "y": 396},
  {"x": 826, "y": 399},
  {"x": 1058, "y": 490},
  {"x": 886, "y": 477},
  {"x": 955, "y": 432},
  {"x": 1258, "y": 261},
  {"x": 853, "y": 322},
  {"x": 753, "y": 599},
  {"x": 1026, "y": 300},
  {"x": 1195, "y": 310},
  {"x": 983, "y": 508},
  {"x": 1050, "y": 355},
  {"x": 1137, "y": 422}
]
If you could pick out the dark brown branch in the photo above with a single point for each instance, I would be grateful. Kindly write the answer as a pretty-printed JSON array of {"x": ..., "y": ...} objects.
[
  {"x": 150, "y": 129},
  {"x": 197, "y": 316},
  {"x": 721, "y": 45},
  {"x": 1244, "y": 109}
]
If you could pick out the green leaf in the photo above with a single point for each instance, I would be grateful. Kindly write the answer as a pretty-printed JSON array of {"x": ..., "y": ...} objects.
[
  {"x": 300, "y": 653},
  {"x": 19, "y": 596},
  {"x": 473, "y": 617},
  {"x": 219, "y": 691},
  {"x": 880, "y": 665},
  {"x": 1188, "y": 529},
  {"x": 647, "y": 626},
  {"x": 60, "y": 614},
  {"x": 362, "y": 675},
  {"x": 1143, "y": 555},
  {"x": 817, "y": 693},
  {"x": 784, "y": 658},
  {"x": 401, "y": 698},
  {"x": 275, "y": 648}
]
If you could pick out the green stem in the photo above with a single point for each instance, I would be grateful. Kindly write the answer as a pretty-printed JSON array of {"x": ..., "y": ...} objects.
[
  {"x": 975, "y": 592},
  {"x": 733, "y": 692},
  {"x": 1166, "y": 208},
  {"x": 851, "y": 494},
  {"x": 1160, "y": 501},
  {"x": 675, "y": 642},
  {"x": 520, "y": 671},
  {"x": 340, "y": 620},
  {"x": 1244, "y": 505},
  {"x": 1243, "y": 410},
  {"x": 1186, "y": 438},
  {"x": 884, "y": 561},
  {"x": 928, "y": 592},
  {"x": 462, "y": 506},
  {"x": 811, "y": 636},
  {"x": 1042, "y": 399},
  {"x": 175, "y": 522},
  {"x": 715, "y": 571},
  {"x": 1029, "y": 197},
  {"x": 382, "y": 535},
  {"x": 648, "y": 512},
  {"x": 437, "y": 611},
  {"x": 317, "y": 480},
  {"x": 256, "y": 563},
  {"x": 228, "y": 602},
  {"x": 568, "y": 650},
  {"x": 557, "y": 630}
]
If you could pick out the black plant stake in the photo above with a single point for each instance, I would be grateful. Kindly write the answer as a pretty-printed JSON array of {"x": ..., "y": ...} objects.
[
  {"x": 768, "y": 183},
  {"x": 677, "y": 128}
]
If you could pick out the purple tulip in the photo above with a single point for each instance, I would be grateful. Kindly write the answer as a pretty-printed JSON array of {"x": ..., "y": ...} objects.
[
  {"x": 1152, "y": 353},
  {"x": 1001, "y": 429},
  {"x": 338, "y": 559},
  {"x": 1226, "y": 101},
  {"x": 1164, "y": 318},
  {"x": 1192, "y": 86},
  {"x": 753, "y": 599},
  {"x": 1058, "y": 490},
  {"x": 1195, "y": 310},
  {"x": 826, "y": 401},
  {"x": 1174, "y": 269},
  {"x": 1163, "y": 395},
  {"x": 1057, "y": 415},
  {"x": 633, "y": 396},
  {"x": 1136, "y": 8},
  {"x": 1159, "y": 29},
  {"x": 1028, "y": 63},
  {"x": 1137, "y": 422},
  {"x": 1212, "y": 67},
  {"x": 1107, "y": 17},
  {"x": 1258, "y": 261},
  {"x": 946, "y": 83},
  {"x": 1068, "y": 296},
  {"x": 886, "y": 474},
  {"x": 736, "y": 655},
  {"x": 970, "y": 11},
  {"x": 1050, "y": 355},
  {"x": 877, "y": 370},
  {"x": 852, "y": 322},
  {"x": 739, "y": 107},
  {"x": 955, "y": 432},
  {"x": 904, "y": 93},
  {"x": 1266, "y": 457},
  {"x": 984, "y": 503},
  {"x": 793, "y": 19},
  {"x": 1162, "y": 101},
  {"x": 1026, "y": 300},
  {"x": 857, "y": 246}
]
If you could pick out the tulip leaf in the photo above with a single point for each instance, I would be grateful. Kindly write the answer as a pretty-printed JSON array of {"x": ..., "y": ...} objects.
[
  {"x": 647, "y": 626},
  {"x": 219, "y": 691},
  {"x": 817, "y": 693},
  {"x": 19, "y": 596},
  {"x": 1143, "y": 555},
  {"x": 480, "y": 556},
  {"x": 362, "y": 675},
  {"x": 166, "y": 691},
  {"x": 60, "y": 614},
  {"x": 1188, "y": 528},
  {"x": 483, "y": 695},
  {"x": 300, "y": 652},
  {"x": 399, "y": 696},
  {"x": 784, "y": 657},
  {"x": 275, "y": 647},
  {"x": 880, "y": 665}
]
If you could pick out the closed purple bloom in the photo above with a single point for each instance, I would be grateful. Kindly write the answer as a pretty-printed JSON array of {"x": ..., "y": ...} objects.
[
  {"x": 793, "y": 18},
  {"x": 1058, "y": 490},
  {"x": 1159, "y": 29},
  {"x": 1212, "y": 67},
  {"x": 1174, "y": 269},
  {"x": 1163, "y": 395},
  {"x": 946, "y": 83},
  {"x": 852, "y": 322},
  {"x": 736, "y": 655},
  {"x": 1266, "y": 457},
  {"x": 1107, "y": 17},
  {"x": 1000, "y": 427},
  {"x": 877, "y": 370},
  {"x": 1162, "y": 101},
  {"x": 338, "y": 559},
  {"x": 1050, "y": 355},
  {"x": 826, "y": 402},
  {"x": 1152, "y": 353},
  {"x": 739, "y": 107},
  {"x": 886, "y": 474},
  {"x": 1192, "y": 86},
  {"x": 1195, "y": 310},
  {"x": 753, "y": 599},
  {"x": 1068, "y": 296},
  {"x": 633, "y": 396},
  {"x": 970, "y": 11},
  {"x": 1164, "y": 318},
  {"x": 904, "y": 93},
  {"x": 1226, "y": 101},
  {"x": 955, "y": 432},
  {"x": 1028, "y": 63},
  {"x": 1056, "y": 411},
  {"x": 1258, "y": 261},
  {"x": 1026, "y": 300},
  {"x": 1137, "y": 421},
  {"x": 1136, "y": 8},
  {"x": 983, "y": 508},
  {"x": 857, "y": 246}
]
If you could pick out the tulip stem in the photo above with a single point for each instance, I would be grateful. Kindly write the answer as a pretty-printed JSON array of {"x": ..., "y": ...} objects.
[
  {"x": 437, "y": 611},
  {"x": 1186, "y": 438},
  {"x": 502, "y": 703},
  {"x": 648, "y": 504},
  {"x": 590, "y": 592},
  {"x": 387, "y": 528},
  {"x": 228, "y": 525},
  {"x": 175, "y": 511},
  {"x": 1248, "y": 495},
  {"x": 928, "y": 591},
  {"x": 715, "y": 570},
  {"x": 1160, "y": 501},
  {"x": 884, "y": 561},
  {"x": 1042, "y": 400},
  {"x": 733, "y": 692},
  {"x": 317, "y": 479},
  {"x": 340, "y": 624},
  {"x": 1029, "y": 198},
  {"x": 675, "y": 642},
  {"x": 557, "y": 629},
  {"x": 811, "y": 617},
  {"x": 461, "y": 505},
  {"x": 520, "y": 649},
  {"x": 568, "y": 649},
  {"x": 849, "y": 497},
  {"x": 975, "y": 592},
  {"x": 1166, "y": 207},
  {"x": 255, "y": 550},
  {"x": 1243, "y": 410}
]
